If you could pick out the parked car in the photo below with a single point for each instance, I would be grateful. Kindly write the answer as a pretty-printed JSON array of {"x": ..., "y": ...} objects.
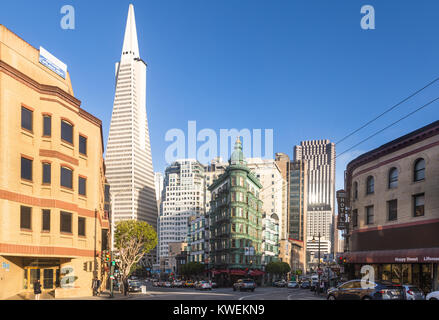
[
  {"x": 244, "y": 284},
  {"x": 214, "y": 285},
  {"x": 305, "y": 285},
  {"x": 177, "y": 284},
  {"x": 280, "y": 283},
  {"x": 167, "y": 284},
  {"x": 360, "y": 290},
  {"x": 189, "y": 284},
  {"x": 412, "y": 292},
  {"x": 293, "y": 285},
  {"x": 134, "y": 286},
  {"x": 204, "y": 285},
  {"x": 432, "y": 296}
]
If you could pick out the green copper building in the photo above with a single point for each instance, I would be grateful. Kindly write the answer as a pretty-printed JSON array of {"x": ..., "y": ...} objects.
[{"x": 236, "y": 220}]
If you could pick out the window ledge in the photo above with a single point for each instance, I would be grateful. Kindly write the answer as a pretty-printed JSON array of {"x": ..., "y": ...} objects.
[
  {"x": 27, "y": 132},
  {"x": 66, "y": 234},
  {"x": 29, "y": 183},
  {"x": 67, "y": 144}
]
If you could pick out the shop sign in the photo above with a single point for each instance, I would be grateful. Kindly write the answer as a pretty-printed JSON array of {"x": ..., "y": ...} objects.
[{"x": 52, "y": 63}]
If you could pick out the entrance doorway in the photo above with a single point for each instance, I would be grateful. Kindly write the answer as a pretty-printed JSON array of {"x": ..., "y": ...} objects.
[{"x": 49, "y": 278}]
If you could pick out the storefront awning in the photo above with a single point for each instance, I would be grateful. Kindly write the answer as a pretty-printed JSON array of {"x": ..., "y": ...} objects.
[
  {"x": 424, "y": 255},
  {"x": 256, "y": 273},
  {"x": 238, "y": 272}
]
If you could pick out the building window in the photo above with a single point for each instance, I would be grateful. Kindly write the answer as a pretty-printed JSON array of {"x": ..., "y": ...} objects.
[
  {"x": 66, "y": 178},
  {"x": 393, "y": 210},
  {"x": 369, "y": 215},
  {"x": 67, "y": 131},
  {"x": 47, "y": 173},
  {"x": 419, "y": 201},
  {"x": 66, "y": 222},
  {"x": 370, "y": 185},
  {"x": 83, "y": 145},
  {"x": 419, "y": 173},
  {"x": 25, "y": 218},
  {"x": 393, "y": 178},
  {"x": 27, "y": 119},
  {"x": 26, "y": 169},
  {"x": 82, "y": 182},
  {"x": 46, "y": 220},
  {"x": 47, "y": 126},
  {"x": 355, "y": 218},
  {"x": 355, "y": 190},
  {"x": 81, "y": 226}
]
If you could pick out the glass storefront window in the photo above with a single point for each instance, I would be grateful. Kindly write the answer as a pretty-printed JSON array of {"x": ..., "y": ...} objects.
[
  {"x": 426, "y": 277},
  {"x": 396, "y": 273},
  {"x": 416, "y": 270},
  {"x": 387, "y": 272},
  {"x": 406, "y": 273}
]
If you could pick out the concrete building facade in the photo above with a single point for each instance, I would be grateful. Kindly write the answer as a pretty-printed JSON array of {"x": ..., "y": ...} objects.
[
  {"x": 51, "y": 178},
  {"x": 182, "y": 197},
  {"x": 319, "y": 156}
]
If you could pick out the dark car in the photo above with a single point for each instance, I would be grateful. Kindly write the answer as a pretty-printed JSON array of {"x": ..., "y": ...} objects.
[
  {"x": 244, "y": 285},
  {"x": 305, "y": 285},
  {"x": 362, "y": 290},
  {"x": 134, "y": 286}
]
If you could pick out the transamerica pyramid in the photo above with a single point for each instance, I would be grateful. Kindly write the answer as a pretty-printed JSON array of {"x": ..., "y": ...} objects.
[{"x": 128, "y": 157}]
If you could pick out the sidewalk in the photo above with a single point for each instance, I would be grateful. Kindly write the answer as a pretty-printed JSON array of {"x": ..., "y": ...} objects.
[{"x": 105, "y": 295}]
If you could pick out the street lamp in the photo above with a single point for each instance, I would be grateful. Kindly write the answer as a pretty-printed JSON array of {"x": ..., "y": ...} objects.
[{"x": 318, "y": 268}]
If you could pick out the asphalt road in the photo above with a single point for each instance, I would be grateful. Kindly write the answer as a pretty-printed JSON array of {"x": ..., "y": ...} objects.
[{"x": 266, "y": 293}]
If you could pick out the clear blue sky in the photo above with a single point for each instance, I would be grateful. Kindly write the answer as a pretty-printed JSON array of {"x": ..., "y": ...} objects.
[{"x": 304, "y": 68}]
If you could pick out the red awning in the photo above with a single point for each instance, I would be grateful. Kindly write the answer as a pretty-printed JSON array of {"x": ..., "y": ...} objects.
[
  {"x": 424, "y": 255},
  {"x": 256, "y": 273},
  {"x": 238, "y": 272}
]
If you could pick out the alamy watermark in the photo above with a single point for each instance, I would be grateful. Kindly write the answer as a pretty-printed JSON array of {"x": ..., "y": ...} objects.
[
  {"x": 205, "y": 145},
  {"x": 368, "y": 20},
  {"x": 68, "y": 19}
]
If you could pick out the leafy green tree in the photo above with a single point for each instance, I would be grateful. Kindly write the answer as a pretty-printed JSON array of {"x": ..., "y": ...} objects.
[
  {"x": 133, "y": 239},
  {"x": 192, "y": 269}
]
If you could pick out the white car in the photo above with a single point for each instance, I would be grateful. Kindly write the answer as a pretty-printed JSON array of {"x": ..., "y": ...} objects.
[
  {"x": 433, "y": 296},
  {"x": 204, "y": 285}
]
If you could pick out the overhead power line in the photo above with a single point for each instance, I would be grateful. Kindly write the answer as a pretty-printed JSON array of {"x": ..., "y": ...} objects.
[
  {"x": 390, "y": 125},
  {"x": 388, "y": 110}
]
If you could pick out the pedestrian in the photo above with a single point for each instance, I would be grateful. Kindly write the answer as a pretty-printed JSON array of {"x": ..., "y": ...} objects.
[
  {"x": 125, "y": 286},
  {"x": 94, "y": 286},
  {"x": 98, "y": 286},
  {"x": 37, "y": 289},
  {"x": 322, "y": 286}
]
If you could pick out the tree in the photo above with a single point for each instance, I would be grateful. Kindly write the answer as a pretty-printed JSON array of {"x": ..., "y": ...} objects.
[
  {"x": 278, "y": 268},
  {"x": 192, "y": 269},
  {"x": 133, "y": 239}
]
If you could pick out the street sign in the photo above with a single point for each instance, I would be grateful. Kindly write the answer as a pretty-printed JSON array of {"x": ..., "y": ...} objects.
[{"x": 341, "y": 218}]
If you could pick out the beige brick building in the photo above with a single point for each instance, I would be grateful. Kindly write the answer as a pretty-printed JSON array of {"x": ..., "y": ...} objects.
[
  {"x": 393, "y": 194},
  {"x": 52, "y": 214}
]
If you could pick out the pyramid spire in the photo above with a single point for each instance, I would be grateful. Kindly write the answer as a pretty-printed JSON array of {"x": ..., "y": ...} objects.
[{"x": 130, "y": 42}]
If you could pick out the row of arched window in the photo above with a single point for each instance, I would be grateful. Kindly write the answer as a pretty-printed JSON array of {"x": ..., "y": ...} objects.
[{"x": 392, "y": 182}]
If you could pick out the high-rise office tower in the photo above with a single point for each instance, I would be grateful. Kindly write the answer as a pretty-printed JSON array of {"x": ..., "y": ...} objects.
[
  {"x": 128, "y": 158},
  {"x": 320, "y": 158},
  {"x": 183, "y": 197}
]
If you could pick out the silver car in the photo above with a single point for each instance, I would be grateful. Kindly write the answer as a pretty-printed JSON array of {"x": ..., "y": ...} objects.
[{"x": 412, "y": 292}]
